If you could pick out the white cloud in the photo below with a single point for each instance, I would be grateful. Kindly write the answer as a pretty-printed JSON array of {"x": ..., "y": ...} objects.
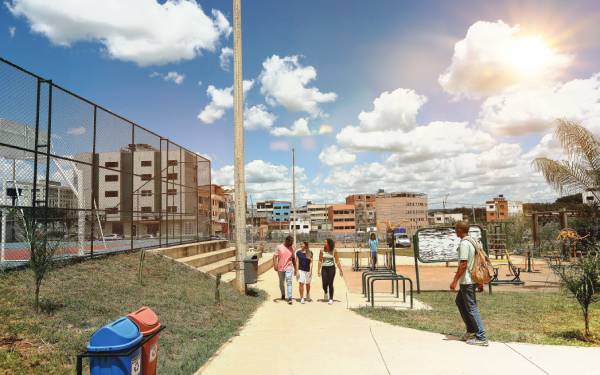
[
  {"x": 176, "y": 78},
  {"x": 284, "y": 82},
  {"x": 325, "y": 129},
  {"x": 494, "y": 57},
  {"x": 536, "y": 110},
  {"x": 279, "y": 146},
  {"x": 258, "y": 117},
  {"x": 437, "y": 139},
  {"x": 199, "y": 83},
  {"x": 393, "y": 110},
  {"x": 225, "y": 58},
  {"x": 145, "y": 32},
  {"x": 80, "y": 130},
  {"x": 220, "y": 101},
  {"x": 333, "y": 155},
  {"x": 12, "y": 31},
  {"x": 264, "y": 180},
  {"x": 298, "y": 129}
]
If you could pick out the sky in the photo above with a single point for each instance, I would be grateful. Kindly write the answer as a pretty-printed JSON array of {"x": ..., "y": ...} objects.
[{"x": 452, "y": 99}]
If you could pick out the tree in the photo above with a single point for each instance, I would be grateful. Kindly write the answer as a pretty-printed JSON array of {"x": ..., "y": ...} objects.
[
  {"x": 43, "y": 245},
  {"x": 581, "y": 170},
  {"x": 582, "y": 280}
]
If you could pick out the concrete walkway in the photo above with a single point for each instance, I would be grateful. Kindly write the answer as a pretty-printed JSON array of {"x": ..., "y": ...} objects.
[{"x": 316, "y": 338}]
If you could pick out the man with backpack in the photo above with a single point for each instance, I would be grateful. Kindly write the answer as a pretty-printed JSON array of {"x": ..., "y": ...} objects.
[{"x": 466, "y": 301}]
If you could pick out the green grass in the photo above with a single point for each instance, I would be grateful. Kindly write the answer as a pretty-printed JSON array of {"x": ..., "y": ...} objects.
[
  {"x": 79, "y": 298},
  {"x": 539, "y": 318}
]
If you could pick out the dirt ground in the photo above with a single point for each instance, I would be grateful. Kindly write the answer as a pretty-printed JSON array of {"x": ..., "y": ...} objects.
[{"x": 437, "y": 277}]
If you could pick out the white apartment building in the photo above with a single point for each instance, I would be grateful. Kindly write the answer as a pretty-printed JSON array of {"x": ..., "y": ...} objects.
[
  {"x": 515, "y": 208},
  {"x": 444, "y": 218},
  {"x": 319, "y": 216}
]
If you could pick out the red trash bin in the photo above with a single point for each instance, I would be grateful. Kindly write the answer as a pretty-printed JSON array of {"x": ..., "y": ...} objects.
[{"x": 147, "y": 322}]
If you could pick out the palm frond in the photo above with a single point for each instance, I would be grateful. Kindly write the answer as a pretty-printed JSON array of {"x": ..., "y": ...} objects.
[
  {"x": 564, "y": 176},
  {"x": 579, "y": 144}
]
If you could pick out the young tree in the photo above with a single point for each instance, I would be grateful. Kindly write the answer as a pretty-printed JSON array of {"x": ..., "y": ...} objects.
[
  {"x": 43, "y": 246},
  {"x": 582, "y": 279}
]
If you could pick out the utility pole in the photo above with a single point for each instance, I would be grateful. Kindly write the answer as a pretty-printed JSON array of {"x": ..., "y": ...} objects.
[
  {"x": 238, "y": 139},
  {"x": 294, "y": 214},
  {"x": 444, "y": 206}
]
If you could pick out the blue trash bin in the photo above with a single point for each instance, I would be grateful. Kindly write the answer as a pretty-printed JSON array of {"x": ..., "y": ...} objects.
[{"x": 118, "y": 336}]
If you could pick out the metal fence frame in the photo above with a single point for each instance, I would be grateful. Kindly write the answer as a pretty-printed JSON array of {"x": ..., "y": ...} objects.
[{"x": 184, "y": 174}]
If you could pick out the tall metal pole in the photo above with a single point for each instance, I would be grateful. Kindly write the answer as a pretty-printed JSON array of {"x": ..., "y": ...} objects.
[
  {"x": 294, "y": 213},
  {"x": 238, "y": 136}
]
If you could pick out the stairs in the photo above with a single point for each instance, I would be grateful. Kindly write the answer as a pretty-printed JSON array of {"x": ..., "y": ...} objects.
[{"x": 212, "y": 258}]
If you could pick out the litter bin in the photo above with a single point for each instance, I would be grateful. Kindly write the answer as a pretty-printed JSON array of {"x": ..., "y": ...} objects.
[
  {"x": 251, "y": 269},
  {"x": 147, "y": 322},
  {"x": 117, "y": 336}
]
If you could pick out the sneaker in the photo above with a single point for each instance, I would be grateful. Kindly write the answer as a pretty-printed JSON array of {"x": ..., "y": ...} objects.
[
  {"x": 477, "y": 342},
  {"x": 289, "y": 301},
  {"x": 302, "y": 301},
  {"x": 466, "y": 336},
  {"x": 331, "y": 302},
  {"x": 282, "y": 297}
]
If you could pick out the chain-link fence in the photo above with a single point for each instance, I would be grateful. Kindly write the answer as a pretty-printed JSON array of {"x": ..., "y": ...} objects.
[{"x": 105, "y": 182}]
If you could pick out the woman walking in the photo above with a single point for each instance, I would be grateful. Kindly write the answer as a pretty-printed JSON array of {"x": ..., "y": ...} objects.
[
  {"x": 328, "y": 258},
  {"x": 305, "y": 264},
  {"x": 373, "y": 244}
]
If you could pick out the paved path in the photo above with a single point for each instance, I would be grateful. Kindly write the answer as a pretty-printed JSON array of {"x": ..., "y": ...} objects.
[{"x": 317, "y": 338}]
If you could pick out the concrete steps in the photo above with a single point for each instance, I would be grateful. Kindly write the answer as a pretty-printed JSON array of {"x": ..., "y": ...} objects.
[
  {"x": 203, "y": 259},
  {"x": 188, "y": 250},
  {"x": 221, "y": 266}
]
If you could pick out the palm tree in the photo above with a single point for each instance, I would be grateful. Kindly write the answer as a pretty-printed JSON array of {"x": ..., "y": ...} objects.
[{"x": 581, "y": 170}]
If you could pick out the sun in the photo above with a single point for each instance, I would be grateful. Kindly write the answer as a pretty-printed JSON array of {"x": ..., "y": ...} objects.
[{"x": 531, "y": 55}]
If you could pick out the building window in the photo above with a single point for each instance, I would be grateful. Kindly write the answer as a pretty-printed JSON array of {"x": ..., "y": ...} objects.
[
  {"x": 146, "y": 177},
  {"x": 172, "y": 163},
  {"x": 146, "y": 193},
  {"x": 111, "y": 193},
  {"x": 171, "y": 176},
  {"x": 171, "y": 191},
  {"x": 146, "y": 163},
  {"x": 146, "y": 209},
  {"x": 111, "y": 210},
  {"x": 111, "y": 177},
  {"x": 171, "y": 209},
  {"x": 111, "y": 164}
]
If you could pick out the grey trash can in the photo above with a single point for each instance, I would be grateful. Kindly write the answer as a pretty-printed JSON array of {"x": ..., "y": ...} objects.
[{"x": 251, "y": 269}]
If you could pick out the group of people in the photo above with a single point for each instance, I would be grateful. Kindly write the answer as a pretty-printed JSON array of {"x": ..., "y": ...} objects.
[{"x": 289, "y": 263}]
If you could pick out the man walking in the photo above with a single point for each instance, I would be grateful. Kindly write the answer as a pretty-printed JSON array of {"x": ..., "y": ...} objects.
[
  {"x": 285, "y": 265},
  {"x": 465, "y": 298}
]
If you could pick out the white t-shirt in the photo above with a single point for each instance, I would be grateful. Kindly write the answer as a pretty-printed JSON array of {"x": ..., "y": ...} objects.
[{"x": 466, "y": 251}]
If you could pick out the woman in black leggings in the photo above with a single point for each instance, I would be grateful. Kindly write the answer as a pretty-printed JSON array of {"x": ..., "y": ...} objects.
[{"x": 328, "y": 258}]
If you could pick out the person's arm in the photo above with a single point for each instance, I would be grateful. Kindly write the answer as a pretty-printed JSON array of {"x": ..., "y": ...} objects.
[
  {"x": 337, "y": 261},
  {"x": 295, "y": 263},
  {"x": 311, "y": 264},
  {"x": 320, "y": 262},
  {"x": 275, "y": 260}
]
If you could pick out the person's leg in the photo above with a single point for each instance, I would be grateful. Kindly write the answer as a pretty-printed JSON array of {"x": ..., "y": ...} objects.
[
  {"x": 308, "y": 291},
  {"x": 374, "y": 260},
  {"x": 301, "y": 289},
  {"x": 288, "y": 279},
  {"x": 473, "y": 312},
  {"x": 332, "y": 277},
  {"x": 462, "y": 309},
  {"x": 324, "y": 280},
  {"x": 281, "y": 275}
]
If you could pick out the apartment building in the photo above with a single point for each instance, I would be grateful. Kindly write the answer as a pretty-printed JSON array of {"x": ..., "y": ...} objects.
[
  {"x": 20, "y": 193},
  {"x": 401, "y": 209},
  {"x": 365, "y": 212},
  {"x": 319, "y": 216},
  {"x": 439, "y": 218},
  {"x": 496, "y": 209},
  {"x": 212, "y": 197},
  {"x": 342, "y": 218}
]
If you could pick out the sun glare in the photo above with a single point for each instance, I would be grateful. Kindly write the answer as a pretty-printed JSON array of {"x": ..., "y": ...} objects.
[{"x": 530, "y": 55}]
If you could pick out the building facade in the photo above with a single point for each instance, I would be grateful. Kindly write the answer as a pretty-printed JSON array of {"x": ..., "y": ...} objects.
[
  {"x": 319, "y": 216},
  {"x": 281, "y": 211},
  {"x": 496, "y": 209},
  {"x": 365, "y": 212},
  {"x": 342, "y": 218},
  {"x": 439, "y": 218},
  {"x": 401, "y": 209}
]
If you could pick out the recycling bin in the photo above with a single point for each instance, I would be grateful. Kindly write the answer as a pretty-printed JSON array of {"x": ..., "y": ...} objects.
[
  {"x": 118, "y": 336},
  {"x": 147, "y": 322},
  {"x": 251, "y": 269}
]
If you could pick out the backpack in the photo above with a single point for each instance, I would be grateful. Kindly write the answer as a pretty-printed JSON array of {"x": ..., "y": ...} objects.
[{"x": 482, "y": 271}]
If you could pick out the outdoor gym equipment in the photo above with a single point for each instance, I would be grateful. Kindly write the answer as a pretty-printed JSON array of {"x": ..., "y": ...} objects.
[
  {"x": 571, "y": 237},
  {"x": 370, "y": 277}
]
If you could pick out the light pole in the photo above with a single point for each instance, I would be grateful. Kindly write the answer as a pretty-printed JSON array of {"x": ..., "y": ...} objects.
[
  {"x": 238, "y": 137},
  {"x": 294, "y": 214}
]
